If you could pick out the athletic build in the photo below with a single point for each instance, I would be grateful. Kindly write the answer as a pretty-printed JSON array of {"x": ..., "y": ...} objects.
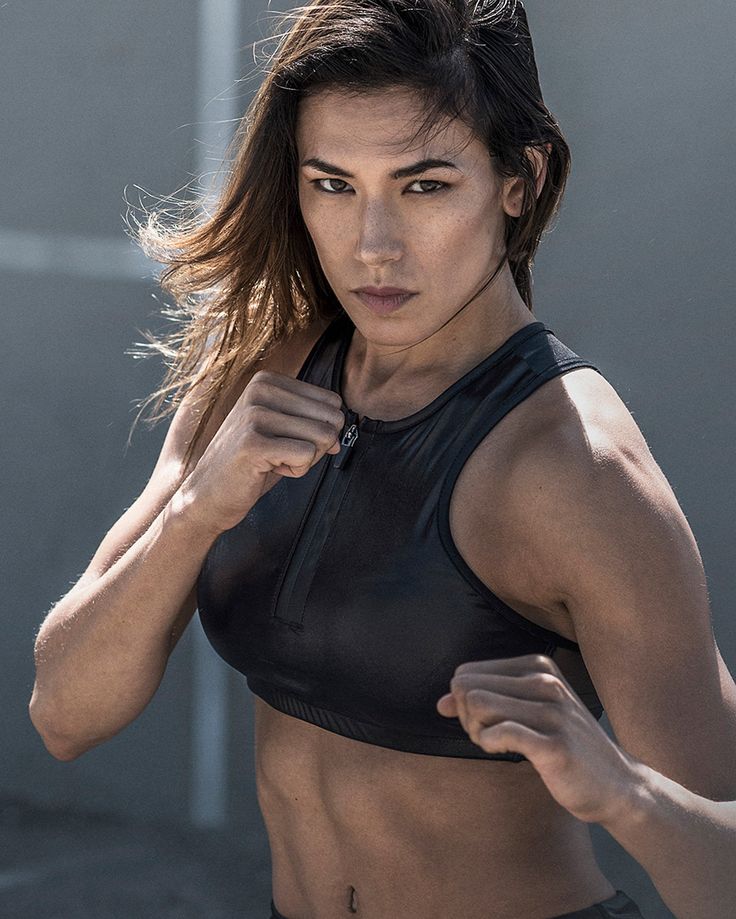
[
  {"x": 350, "y": 822},
  {"x": 357, "y": 827}
]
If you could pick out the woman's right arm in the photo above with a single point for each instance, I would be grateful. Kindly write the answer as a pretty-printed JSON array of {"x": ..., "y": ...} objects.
[{"x": 102, "y": 650}]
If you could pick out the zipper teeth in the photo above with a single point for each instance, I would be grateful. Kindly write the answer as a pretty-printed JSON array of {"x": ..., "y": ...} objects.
[
  {"x": 297, "y": 540},
  {"x": 325, "y": 487},
  {"x": 278, "y": 597}
]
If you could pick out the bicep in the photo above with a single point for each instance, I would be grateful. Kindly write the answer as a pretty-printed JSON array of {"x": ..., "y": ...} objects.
[{"x": 627, "y": 568}]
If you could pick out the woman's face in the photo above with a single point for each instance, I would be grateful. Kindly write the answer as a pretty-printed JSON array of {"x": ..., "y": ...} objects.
[{"x": 438, "y": 232}]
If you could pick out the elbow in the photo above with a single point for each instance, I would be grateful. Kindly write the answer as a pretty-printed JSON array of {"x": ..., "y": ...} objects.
[
  {"x": 59, "y": 745},
  {"x": 61, "y": 750}
]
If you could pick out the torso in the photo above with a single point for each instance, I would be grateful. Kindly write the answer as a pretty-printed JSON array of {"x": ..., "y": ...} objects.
[{"x": 361, "y": 829}]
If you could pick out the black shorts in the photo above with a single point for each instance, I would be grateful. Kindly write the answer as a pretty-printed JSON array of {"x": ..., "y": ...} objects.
[{"x": 619, "y": 906}]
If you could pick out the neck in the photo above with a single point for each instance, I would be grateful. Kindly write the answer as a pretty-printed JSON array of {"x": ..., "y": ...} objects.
[{"x": 392, "y": 355}]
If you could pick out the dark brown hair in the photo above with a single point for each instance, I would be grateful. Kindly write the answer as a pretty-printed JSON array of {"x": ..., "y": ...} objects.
[{"x": 245, "y": 274}]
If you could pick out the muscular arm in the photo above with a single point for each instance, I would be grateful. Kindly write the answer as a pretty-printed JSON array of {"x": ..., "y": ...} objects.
[
  {"x": 612, "y": 542},
  {"x": 685, "y": 842}
]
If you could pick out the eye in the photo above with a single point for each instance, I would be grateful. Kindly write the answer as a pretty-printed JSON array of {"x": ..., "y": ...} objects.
[
  {"x": 322, "y": 188},
  {"x": 440, "y": 186}
]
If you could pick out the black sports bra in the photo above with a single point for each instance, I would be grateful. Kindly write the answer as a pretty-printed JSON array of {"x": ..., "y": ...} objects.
[{"x": 341, "y": 595}]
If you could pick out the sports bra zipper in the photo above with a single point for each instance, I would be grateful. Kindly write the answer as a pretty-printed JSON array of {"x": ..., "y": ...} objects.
[
  {"x": 348, "y": 439},
  {"x": 295, "y": 582}
]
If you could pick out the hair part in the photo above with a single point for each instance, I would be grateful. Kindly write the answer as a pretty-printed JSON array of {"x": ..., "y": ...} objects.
[{"x": 246, "y": 274}]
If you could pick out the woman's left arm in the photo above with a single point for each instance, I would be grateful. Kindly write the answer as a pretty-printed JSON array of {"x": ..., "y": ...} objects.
[
  {"x": 601, "y": 525},
  {"x": 685, "y": 842}
]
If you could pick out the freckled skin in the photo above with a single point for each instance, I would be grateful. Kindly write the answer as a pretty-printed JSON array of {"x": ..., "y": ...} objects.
[{"x": 376, "y": 230}]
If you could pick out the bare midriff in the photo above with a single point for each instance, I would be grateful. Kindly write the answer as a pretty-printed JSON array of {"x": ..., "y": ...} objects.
[{"x": 357, "y": 829}]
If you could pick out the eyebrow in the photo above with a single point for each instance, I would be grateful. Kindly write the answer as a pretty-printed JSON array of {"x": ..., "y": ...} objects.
[{"x": 412, "y": 170}]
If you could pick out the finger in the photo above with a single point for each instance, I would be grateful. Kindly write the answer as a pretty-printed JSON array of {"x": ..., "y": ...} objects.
[
  {"x": 522, "y": 663},
  {"x": 509, "y": 675},
  {"x": 485, "y": 708},
  {"x": 301, "y": 387},
  {"x": 535, "y": 684},
  {"x": 511, "y": 737},
  {"x": 278, "y": 431},
  {"x": 287, "y": 401},
  {"x": 446, "y": 705}
]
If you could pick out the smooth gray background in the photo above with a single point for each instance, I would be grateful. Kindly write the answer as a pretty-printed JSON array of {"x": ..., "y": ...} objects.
[{"x": 637, "y": 275}]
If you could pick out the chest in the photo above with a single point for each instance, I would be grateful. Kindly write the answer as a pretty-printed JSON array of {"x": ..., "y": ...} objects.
[
  {"x": 480, "y": 501},
  {"x": 357, "y": 589},
  {"x": 351, "y": 589}
]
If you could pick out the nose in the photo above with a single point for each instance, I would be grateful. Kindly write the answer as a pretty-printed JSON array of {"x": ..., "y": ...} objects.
[{"x": 379, "y": 235}]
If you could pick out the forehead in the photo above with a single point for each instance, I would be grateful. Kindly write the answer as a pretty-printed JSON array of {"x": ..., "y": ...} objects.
[{"x": 333, "y": 123}]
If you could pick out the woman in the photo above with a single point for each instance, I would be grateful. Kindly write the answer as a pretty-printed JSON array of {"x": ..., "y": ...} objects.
[{"x": 407, "y": 528}]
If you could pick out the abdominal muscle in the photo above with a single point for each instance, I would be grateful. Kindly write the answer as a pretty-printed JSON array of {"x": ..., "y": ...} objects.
[{"x": 356, "y": 828}]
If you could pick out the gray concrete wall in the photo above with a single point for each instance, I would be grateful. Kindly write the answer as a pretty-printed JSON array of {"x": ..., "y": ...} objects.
[{"x": 638, "y": 275}]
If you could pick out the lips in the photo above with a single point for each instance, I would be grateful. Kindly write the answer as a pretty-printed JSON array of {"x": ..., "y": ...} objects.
[
  {"x": 383, "y": 291},
  {"x": 382, "y": 304}
]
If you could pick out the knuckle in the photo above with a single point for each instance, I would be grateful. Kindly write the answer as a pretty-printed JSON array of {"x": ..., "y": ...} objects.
[
  {"x": 304, "y": 449},
  {"x": 543, "y": 680},
  {"x": 257, "y": 386},
  {"x": 256, "y": 414},
  {"x": 328, "y": 431},
  {"x": 474, "y": 696},
  {"x": 547, "y": 684},
  {"x": 261, "y": 376},
  {"x": 543, "y": 661}
]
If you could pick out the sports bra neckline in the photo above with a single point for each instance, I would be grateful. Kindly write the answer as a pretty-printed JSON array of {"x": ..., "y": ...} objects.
[{"x": 346, "y": 329}]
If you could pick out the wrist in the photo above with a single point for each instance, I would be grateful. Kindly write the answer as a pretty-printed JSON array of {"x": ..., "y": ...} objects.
[
  {"x": 635, "y": 800},
  {"x": 186, "y": 510}
]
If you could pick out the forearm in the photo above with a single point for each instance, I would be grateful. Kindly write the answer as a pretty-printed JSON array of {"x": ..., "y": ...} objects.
[
  {"x": 103, "y": 649},
  {"x": 685, "y": 843}
]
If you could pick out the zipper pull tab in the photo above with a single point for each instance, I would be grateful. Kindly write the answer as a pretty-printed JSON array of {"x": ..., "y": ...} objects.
[{"x": 348, "y": 439}]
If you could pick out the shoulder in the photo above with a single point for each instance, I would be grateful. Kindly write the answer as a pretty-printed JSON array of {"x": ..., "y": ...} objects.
[
  {"x": 564, "y": 434},
  {"x": 587, "y": 438},
  {"x": 584, "y": 487},
  {"x": 570, "y": 425},
  {"x": 579, "y": 437},
  {"x": 568, "y": 458}
]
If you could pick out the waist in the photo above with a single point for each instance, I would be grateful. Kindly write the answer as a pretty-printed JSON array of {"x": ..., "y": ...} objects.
[{"x": 444, "y": 832}]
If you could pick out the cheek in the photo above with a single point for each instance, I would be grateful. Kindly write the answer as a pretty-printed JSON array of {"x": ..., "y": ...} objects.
[
  {"x": 463, "y": 237},
  {"x": 329, "y": 242}
]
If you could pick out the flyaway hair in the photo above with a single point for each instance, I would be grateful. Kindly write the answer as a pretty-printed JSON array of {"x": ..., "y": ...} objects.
[{"x": 244, "y": 274}]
